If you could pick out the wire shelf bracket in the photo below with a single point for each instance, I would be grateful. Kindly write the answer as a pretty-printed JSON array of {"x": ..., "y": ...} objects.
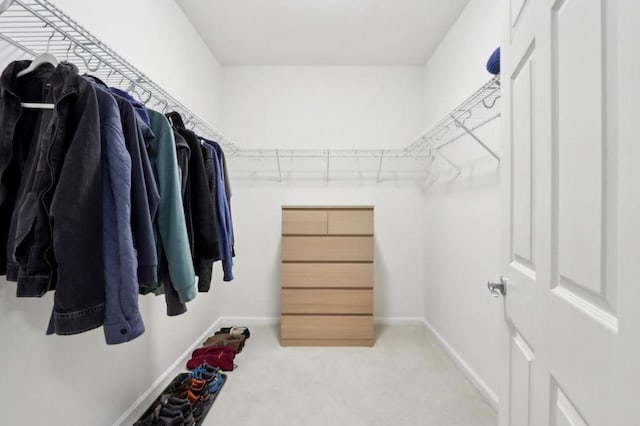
[
  {"x": 477, "y": 139},
  {"x": 476, "y": 109}
]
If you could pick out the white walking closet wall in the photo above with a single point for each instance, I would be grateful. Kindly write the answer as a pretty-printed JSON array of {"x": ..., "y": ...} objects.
[
  {"x": 423, "y": 231},
  {"x": 463, "y": 216}
]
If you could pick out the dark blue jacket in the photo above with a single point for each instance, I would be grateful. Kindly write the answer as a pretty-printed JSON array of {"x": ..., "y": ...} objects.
[
  {"x": 224, "y": 216},
  {"x": 139, "y": 107},
  {"x": 143, "y": 186},
  {"x": 122, "y": 319},
  {"x": 227, "y": 186},
  {"x": 148, "y": 139}
]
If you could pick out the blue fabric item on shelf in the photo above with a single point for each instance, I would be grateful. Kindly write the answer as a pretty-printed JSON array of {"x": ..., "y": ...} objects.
[{"x": 493, "y": 64}]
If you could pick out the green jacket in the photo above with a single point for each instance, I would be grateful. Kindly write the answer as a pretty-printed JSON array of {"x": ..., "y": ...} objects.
[{"x": 170, "y": 223}]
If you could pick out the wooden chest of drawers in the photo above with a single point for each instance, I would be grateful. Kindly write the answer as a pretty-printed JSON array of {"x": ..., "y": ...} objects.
[{"x": 327, "y": 276}]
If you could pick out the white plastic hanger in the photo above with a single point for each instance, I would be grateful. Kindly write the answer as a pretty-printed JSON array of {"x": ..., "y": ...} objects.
[
  {"x": 44, "y": 58},
  {"x": 4, "y": 5}
]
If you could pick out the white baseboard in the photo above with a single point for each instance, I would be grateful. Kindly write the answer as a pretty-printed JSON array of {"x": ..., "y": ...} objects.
[
  {"x": 398, "y": 321},
  {"x": 140, "y": 405},
  {"x": 466, "y": 369},
  {"x": 248, "y": 321},
  {"x": 267, "y": 321}
]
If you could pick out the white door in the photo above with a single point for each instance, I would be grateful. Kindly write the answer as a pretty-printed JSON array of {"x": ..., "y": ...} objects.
[{"x": 571, "y": 213}]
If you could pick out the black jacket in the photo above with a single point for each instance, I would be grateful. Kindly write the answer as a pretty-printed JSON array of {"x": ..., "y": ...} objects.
[
  {"x": 205, "y": 266},
  {"x": 51, "y": 192},
  {"x": 183, "y": 154},
  {"x": 200, "y": 211},
  {"x": 203, "y": 213}
]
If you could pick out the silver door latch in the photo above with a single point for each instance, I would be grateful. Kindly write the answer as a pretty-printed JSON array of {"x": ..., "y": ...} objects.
[{"x": 497, "y": 288}]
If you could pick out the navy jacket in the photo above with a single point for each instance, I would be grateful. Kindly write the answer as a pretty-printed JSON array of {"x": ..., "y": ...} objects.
[
  {"x": 139, "y": 107},
  {"x": 122, "y": 319},
  {"x": 147, "y": 139},
  {"x": 143, "y": 186},
  {"x": 227, "y": 187},
  {"x": 224, "y": 215}
]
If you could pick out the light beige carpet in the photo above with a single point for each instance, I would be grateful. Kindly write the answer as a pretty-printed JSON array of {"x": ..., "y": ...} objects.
[{"x": 404, "y": 380}]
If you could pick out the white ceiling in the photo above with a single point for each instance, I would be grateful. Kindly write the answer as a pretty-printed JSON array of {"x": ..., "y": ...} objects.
[{"x": 322, "y": 32}]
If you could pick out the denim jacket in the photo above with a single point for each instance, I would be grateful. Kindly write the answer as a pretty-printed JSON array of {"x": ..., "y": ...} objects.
[{"x": 51, "y": 193}]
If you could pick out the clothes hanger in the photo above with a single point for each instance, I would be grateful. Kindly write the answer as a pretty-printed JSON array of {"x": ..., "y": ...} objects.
[
  {"x": 108, "y": 77},
  {"x": 133, "y": 90},
  {"x": 149, "y": 96},
  {"x": 44, "y": 58},
  {"x": 489, "y": 106},
  {"x": 68, "y": 49},
  {"x": 175, "y": 119},
  {"x": 121, "y": 81},
  {"x": 164, "y": 104},
  {"x": 94, "y": 68},
  {"x": 87, "y": 63}
]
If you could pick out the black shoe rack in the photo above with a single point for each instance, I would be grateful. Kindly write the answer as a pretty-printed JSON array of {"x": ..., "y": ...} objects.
[{"x": 206, "y": 406}]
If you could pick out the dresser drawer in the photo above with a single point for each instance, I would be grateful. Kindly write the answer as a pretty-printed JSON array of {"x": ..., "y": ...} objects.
[
  {"x": 326, "y": 327},
  {"x": 304, "y": 222},
  {"x": 336, "y": 275},
  {"x": 350, "y": 222},
  {"x": 327, "y": 249},
  {"x": 324, "y": 301}
]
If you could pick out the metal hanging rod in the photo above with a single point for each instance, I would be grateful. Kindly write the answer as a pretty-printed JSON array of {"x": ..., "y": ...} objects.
[
  {"x": 333, "y": 153},
  {"x": 324, "y": 157},
  {"x": 37, "y": 26}
]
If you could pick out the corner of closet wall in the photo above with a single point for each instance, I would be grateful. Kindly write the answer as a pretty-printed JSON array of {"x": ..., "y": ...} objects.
[
  {"x": 462, "y": 212},
  {"x": 94, "y": 383},
  {"x": 320, "y": 107}
]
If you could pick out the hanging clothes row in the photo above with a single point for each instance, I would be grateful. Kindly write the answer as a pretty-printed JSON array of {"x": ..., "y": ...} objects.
[{"x": 103, "y": 199}]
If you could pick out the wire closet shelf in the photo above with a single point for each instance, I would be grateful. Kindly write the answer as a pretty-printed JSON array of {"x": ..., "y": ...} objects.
[
  {"x": 37, "y": 26},
  {"x": 476, "y": 111}
]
